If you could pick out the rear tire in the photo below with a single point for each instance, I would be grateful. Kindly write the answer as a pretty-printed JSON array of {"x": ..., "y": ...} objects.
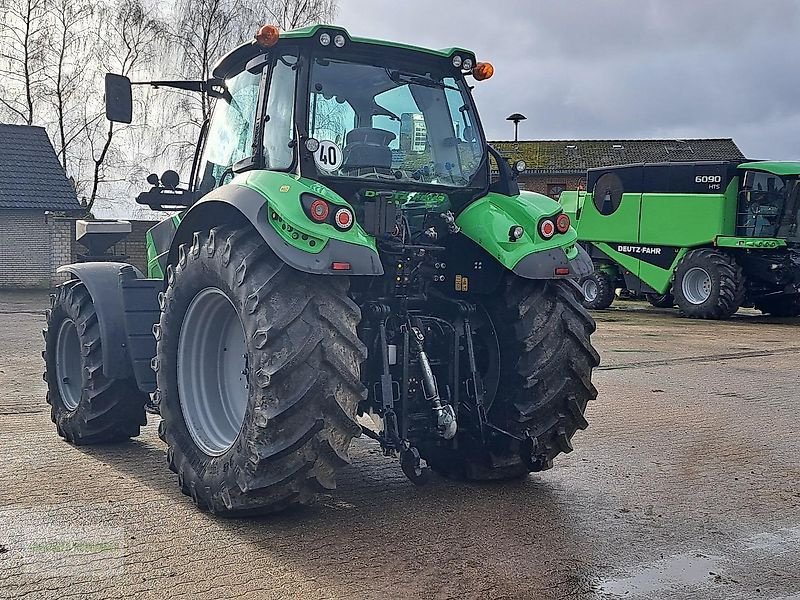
[
  {"x": 301, "y": 386},
  {"x": 709, "y": 284},
  {"x": 780, "y": 306},
  {"x": 86, "y": 406},
  {"x": 546, "y": 362},
  {"x": 598, "y": 291},
  {"x": 661, "y": 300}
]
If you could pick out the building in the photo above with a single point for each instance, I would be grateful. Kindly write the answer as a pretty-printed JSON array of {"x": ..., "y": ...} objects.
[
  {"x": 553, "y": 166},
  {"x": 37, "y": 209}
]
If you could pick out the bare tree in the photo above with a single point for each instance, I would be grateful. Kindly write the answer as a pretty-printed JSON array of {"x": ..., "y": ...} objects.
[
  {"x": 291, "y": 14},
  {"x": 206, "y": 30},
  {"x": 128, "y": 39},
  {"x": 69, "y": 49},
  {"x": 22, "y": 53}
]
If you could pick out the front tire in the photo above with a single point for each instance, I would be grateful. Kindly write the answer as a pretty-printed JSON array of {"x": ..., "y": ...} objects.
[
  {"x": 709, "y": 284},
  {"x": 544, "y": 383},
  {"x": 598, "y": 291},
  {"x": 86, "y": 406},
  {"x": 270, "y": 425}
]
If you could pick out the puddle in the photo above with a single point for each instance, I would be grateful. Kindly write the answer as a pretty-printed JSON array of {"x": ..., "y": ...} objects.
[
  {"x": 676, "y": 571},
  {"x": 777, "y": 542}
]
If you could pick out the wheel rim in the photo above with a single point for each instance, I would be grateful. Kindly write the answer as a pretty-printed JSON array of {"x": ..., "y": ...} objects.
[
  {"x": 212, "y": 371},
  {"x": 696, "y": 285},
  {"x": 68, "y": 364},
  {"x": 590, "y": 290}
]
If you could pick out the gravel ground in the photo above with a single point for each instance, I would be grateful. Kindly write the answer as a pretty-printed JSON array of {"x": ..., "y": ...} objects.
[{"x": 686, "y": 485}]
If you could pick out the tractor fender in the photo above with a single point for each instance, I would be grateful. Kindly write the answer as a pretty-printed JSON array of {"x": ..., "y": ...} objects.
[
  {"x": 254, "y": 206},
  {"x": 489, "y": 220},
  {"x": 543, "y": 265},
  {"x": 103, "y": 281}
]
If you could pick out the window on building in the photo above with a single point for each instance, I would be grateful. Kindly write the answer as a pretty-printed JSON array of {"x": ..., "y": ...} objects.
[{"x": 554, "y": 189}]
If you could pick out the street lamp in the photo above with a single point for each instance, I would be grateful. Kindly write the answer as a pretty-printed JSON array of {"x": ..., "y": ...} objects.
[{"x": 516, "y": 118}]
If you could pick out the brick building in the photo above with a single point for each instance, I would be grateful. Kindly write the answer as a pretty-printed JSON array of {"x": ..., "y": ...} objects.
[
  {"x": 38, "y": 209},
  {"x": 557, "y": 165},
  {"x": 37, "y": 202}
]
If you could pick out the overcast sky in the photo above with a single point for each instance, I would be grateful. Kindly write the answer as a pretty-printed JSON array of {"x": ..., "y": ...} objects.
[{"x": 618, "y": 68}]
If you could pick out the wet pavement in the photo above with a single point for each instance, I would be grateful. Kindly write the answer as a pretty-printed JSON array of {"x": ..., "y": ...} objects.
[{"x": 685, "y": 485}]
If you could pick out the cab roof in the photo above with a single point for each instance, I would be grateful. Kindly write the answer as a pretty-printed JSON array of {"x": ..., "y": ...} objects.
[
  {"x": 234, "y": 61},
  {"x": 774, "y": 167}
]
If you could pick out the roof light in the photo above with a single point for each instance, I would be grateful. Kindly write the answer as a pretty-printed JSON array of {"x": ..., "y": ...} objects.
[
  {"x": 339, "y": 41},
  {"x": 325, "y": 39},
  {"x": 562, "y": 223},
  {"x": 468, "y": 64},
  {"x": 482, "y": 71},
  {"x": 547, "y": 229},
  {"x": 268, "y": 35},
  {"x": 456, "y": 61}
]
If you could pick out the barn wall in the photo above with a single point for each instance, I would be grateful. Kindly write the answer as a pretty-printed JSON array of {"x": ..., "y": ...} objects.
[
  {"x": 33, "y": 245},
  {"x": 25, "y": 248}
]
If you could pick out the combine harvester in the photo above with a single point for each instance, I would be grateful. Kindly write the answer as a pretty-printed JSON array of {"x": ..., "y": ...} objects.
[{"x": 708, "y": 236}]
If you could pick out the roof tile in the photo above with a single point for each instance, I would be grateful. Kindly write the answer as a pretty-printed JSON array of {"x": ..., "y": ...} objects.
[
  {"x": 30, "y": 175},
  {"x": 576, "y": 156}
]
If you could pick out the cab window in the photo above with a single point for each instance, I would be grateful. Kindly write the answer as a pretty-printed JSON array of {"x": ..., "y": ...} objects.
[
  {"x": 279, "y": 126},
  {"x": 230, "y": 134}
]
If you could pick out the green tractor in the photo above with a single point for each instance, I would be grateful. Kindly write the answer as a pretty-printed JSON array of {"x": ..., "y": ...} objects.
[
  {"x": 708, "y": 236},
  {"x": 340, "y": 252}
]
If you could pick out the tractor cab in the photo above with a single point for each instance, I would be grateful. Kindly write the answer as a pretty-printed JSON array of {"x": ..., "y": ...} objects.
[
  {"x": 769, "y": 200},
  {"x": 365, "y": 118}
]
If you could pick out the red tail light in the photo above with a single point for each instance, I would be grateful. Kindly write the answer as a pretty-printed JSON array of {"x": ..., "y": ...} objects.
[
  {"x": 344, "y": 218},
  {"x": 562, "y": 223},
  {"x": 547, "y": 229},
  {"x": 319, "y": 210}
]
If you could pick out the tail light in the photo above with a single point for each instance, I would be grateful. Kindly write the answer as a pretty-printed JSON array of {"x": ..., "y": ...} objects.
[
  {"x": 343, "y": 218},
  {"x": 319, "y": 210},
  {"x": 562, "y": 223},
  {"x": 547, "y": 229}
]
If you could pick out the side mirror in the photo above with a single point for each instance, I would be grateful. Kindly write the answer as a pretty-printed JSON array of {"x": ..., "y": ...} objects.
[{"x": 119, "y": 99}]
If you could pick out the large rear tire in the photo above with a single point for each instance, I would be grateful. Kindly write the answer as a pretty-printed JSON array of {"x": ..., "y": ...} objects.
[
  {"x": 709, "y": 284},
  {"x": 270, "y": 426},
  {"x": 86, "y": 406},
  {"x": 598, "y": 291},
  {"x": 544, "y": 383}
]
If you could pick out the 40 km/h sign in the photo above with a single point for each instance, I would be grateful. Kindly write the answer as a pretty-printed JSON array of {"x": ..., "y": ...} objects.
[{"x": 328, "y": 156}]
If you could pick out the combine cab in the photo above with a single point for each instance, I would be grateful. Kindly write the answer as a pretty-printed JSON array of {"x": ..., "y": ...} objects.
[{"x": 339, "y": 251}]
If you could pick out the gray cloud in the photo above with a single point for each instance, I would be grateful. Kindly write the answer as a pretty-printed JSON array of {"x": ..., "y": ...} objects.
[{"x": 619, "y": 68}]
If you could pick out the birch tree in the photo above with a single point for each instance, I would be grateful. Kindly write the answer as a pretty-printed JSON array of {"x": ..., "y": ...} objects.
[{"x": 22, "y": 52}]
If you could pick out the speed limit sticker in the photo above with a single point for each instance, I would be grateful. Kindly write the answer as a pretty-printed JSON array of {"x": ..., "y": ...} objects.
[{"x": 328, "y": 156}]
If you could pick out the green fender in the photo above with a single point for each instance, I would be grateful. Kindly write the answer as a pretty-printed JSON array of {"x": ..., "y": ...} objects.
[
  {"x": 488, "y": 221},
  {"x": 270, "y": 201}
]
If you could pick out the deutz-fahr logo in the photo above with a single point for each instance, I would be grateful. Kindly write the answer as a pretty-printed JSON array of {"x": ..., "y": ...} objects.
[
  {"x": 639, "y": 249},
  {"x": 427, "y": 198}
]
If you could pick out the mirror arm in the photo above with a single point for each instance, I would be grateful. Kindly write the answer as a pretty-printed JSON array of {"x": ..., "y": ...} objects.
[
  {"x": 193, "y": 85},
  {"x": 507, "y": 185}
]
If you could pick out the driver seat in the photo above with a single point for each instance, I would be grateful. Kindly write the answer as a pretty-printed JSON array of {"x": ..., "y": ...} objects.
[{"x": 367, "y": 147}]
